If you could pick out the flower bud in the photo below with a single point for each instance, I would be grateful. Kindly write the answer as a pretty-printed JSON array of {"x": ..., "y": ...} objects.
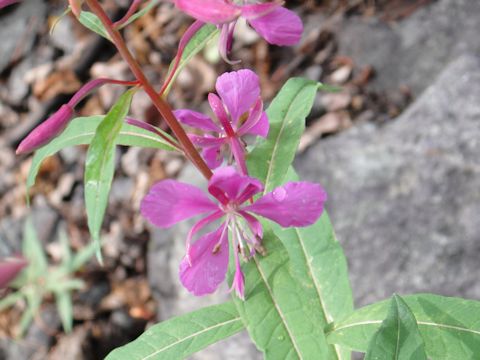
[
  {"x": 9, "y": 269},
  {"x": 46, "y": 131}
]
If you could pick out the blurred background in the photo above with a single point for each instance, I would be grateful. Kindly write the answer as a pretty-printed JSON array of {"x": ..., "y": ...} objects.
[{"x": 397, "y": 150}]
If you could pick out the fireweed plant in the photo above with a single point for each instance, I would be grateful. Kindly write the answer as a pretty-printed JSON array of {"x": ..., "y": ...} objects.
[{"x": 258, "y": 227}]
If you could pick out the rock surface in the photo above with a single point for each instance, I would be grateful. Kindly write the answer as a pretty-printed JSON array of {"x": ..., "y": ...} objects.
[
  {"x": 413, "y": 51},
  {"x": 405, "y": 198}
]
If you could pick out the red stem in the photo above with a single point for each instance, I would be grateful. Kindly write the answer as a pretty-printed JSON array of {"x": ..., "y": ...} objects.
[{"x": 161, "y": 105}]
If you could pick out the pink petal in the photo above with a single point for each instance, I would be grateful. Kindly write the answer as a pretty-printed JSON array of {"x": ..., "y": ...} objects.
[
  {"x": 256, "y": 123},
  {"x": 199, "y": 226},
  {"x": 209, "y": 11},
  {"x": 238, "y": 151},
  {"x": 293, "y": 204},
  {"x": 239, "y": 91},
  {"x": 46, "y": 131},
  {"x": 213, "y": 156},
  {"x": 208, "y": 263},
  {"x": 219, "y": 111},
  {"x": 170, "y": 201},
  {"x": 207, "y": 141},
  {"x": 9, "y": 269},
  {"x": 196, "y": 120},
  {"x": 280, "y": 27},
  {"x": 258, "y": 10},
  {"x": 227, "y": 185}
]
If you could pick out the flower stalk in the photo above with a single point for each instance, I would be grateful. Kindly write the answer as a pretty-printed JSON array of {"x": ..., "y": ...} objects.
[{"x": 162, "y": 106}]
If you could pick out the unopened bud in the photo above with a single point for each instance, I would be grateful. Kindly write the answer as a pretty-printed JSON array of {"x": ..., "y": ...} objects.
[
  {"x": 46, "y": 131},
  {"x": 9, "y": 269}
]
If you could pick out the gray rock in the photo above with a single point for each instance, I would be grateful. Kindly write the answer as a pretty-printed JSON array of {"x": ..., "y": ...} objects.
[
  {"x": 166, "y": 250},
  {"x": 19, "y": 29},
  {"x": 405, "y": 198},
  {"x": 413, "y": 51}
]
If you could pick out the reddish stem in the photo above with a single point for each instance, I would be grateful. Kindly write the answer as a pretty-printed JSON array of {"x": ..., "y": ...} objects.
[
  {"x": 161, "y": 105},
  {"x": 131, "y": 10}
]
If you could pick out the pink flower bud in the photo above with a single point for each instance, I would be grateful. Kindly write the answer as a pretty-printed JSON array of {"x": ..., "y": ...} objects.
[
  {"x": 9, "y": 269},
  {"x": 46, "y": 131}
]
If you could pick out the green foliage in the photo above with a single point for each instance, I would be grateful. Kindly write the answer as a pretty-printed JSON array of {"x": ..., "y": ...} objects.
[
  {"x": 100, "y": 164},
  {"x": 80, "y": 131},
  {"x": 398, "y": 338},
  {"x": 270, "y": 160},
  {"x": 39, "y": 280},
  {"x": 279, "y": 311},
  {"x": 194, "y": 46},
  {"x": 449, "y": 326},
  {"x": 302, "y": 284},
  {"x": 184, "y": 335},
  {"x": 93, "y": 23}
]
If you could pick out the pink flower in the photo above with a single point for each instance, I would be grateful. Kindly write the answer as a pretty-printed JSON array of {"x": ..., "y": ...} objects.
[
  {"x": 206, "y": 261},
  {"x": 9, "y": 269},
  {"x": 277, "y": 25},
  {"x": 239, "y": 111}
]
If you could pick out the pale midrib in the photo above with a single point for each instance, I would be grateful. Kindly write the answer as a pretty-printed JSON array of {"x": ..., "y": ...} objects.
[
  {"x": 397, "y": 349},
  {"x": 425, "y": 323},
  {"x": 279, "y": 311},
  {"x": 191, "y": 336},
  {"x": 317, "y": 288},
  {"x": 275, "y": 146}
]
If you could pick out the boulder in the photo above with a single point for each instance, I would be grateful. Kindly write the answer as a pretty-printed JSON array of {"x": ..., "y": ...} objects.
[{"x": 405, "y": 198}]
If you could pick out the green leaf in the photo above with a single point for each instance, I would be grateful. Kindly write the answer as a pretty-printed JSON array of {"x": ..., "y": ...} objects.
[
  {"x": 398, "y": 337},
  {"x": 449, "y": 326},
  {"x": 92, "y": 22},
  {"x": 65, "y": 309},
  {"x": 100, "y": 163},
  {"x": 271, "y": 158},
  {"x": 279, "y": 311},
  {"x": 80, "y": 131},
  {"x": 82, "y": 257},
  {"x": 318, "y": 261},
  {"x": 34, "y": 300},
  {"x": 313, "y": 264},
  {"x": 32, "y": 250},
  {"x": 140, "y": 13},
  {"x": 66, "y": 251},
  {"x": 184, "y": 335},
  {"x": 10, "y": 300},
  {"x": 196, "y": 43}
]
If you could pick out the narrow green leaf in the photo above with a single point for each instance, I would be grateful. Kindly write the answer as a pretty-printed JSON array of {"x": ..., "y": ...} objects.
[
  {"x": 34, "y": 301},
  {"x": 196, "y": 43},
  {"x": 449, "y": 326},
  {"x": 100, "y": 162},
  {"x": 80, "y": 131},
  {"x": 140, "y": 13},
  {"x": 281, "y": 313},
  {"x": 32, "y": 250},
  {"x": 66, "y": 250},
  {"x": 184, "y": 335},
  {"x": 82, "y": 257},
  {"x": 314, "y": 265},
  {"x": 93, "y": 23},
  {"x": 65, "y": 309},
  {"x": 10, "y": 300},
  {"x": 398, "y": 338},
  {"x": 271, "y": 158}
]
